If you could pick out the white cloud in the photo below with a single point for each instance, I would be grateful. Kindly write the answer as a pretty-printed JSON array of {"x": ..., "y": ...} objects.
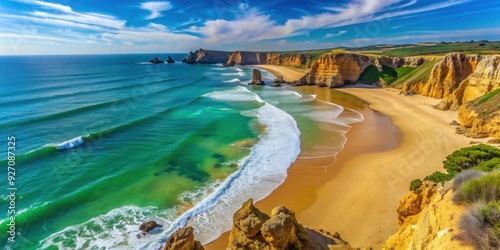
[
  {"x": 253, "y": 25},
  {"x": 341, "y": 32},
  {"x": 155, "y": 8}
]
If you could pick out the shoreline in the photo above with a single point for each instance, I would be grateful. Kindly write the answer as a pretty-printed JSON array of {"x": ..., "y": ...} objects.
[{"x": 401, "y": 139}]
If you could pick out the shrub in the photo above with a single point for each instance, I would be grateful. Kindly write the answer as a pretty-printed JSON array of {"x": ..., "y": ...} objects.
[
  {"x": 485, "y": 188},
  {"x": 415, "y": 186},
  {"x": 439, "y": 177},
  {"x": 489, "y": 166},
  {"x": 470, "y": 157},
  {"x": 480, "y": 227},
  {"x": 465, "y": 176}
]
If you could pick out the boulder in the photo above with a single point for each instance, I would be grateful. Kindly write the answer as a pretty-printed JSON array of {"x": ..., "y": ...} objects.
[
  {"x": 278, "y": 81},
  {"x": 183, "y": 239},
  {"x": 253, "y": 229},
  {"x": 256, "y": 78},
  {"x": 148, "y": 226},
  {"x": 170, "y": 60},
  {"x": 155, "y": 60}
]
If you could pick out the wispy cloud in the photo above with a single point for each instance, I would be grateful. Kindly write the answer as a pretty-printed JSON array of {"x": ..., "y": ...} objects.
[
  {"x": 341, "y": 32},
  {"x": 252, "y": 25},
  {"x": 155, "y": 8}
]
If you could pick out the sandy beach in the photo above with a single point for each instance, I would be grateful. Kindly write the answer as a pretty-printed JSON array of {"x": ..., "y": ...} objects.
[{"x": 402, "y": 138}]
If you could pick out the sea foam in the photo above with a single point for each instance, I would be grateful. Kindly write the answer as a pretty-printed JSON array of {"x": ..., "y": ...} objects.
[
  {"x": 258, "y": 175},
  {"x": 70, "y": 143}
]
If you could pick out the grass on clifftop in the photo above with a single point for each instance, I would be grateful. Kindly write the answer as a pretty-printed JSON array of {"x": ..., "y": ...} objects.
[
  {"x": 476, "y": 47},
  {"x": 388, "y": 74},
  {"x": 419, "y": 74}
]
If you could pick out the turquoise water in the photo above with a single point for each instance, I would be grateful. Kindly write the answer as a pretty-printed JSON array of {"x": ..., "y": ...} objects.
[{"x": 106, "y": 142}]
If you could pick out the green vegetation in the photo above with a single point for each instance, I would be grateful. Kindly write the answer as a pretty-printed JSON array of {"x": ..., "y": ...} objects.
[
  {"x": 419, "y": 74},
  {"x": 311, "y": 55},
  {"x": 488, "y": 96},
  {"x": 388, "y": 74},
  {"x": 478, "y": 157},
  {"x": 483, "y": 189},
  {"x": 370, "y": 74},
  {"x": 439, "y": 177},
  {"x": 442, "y": 48},
  {"x": 403, "y": 71},
  {"x": 415, "y": 186}
]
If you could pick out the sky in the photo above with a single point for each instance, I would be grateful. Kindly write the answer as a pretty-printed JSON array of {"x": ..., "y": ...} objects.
[{"x": 127, "y": 26}]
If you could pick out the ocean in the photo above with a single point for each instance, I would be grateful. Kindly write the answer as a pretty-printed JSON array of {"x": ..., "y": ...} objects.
[{"x": 104, "y": 143}]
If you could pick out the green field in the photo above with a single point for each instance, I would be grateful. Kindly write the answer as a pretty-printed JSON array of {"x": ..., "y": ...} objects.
[
  {"x": 440, "y": 49},
  {"x": 414, "y": 75}
]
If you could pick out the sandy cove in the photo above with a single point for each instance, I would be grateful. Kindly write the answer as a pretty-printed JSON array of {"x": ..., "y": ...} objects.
[{"x": 358, "y": 194}]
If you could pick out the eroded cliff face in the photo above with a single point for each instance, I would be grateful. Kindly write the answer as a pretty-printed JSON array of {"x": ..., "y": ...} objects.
[
  {"x": 428, "y": 220},
  {"x": 446, "y": 75},
  {"x": 485, "y": 78},
  {"x": 207, "y": 57},
  {"x": 336, "y": 69},
  {"x": 245, "y": 58},
  {"x": 481, "y": 117}
]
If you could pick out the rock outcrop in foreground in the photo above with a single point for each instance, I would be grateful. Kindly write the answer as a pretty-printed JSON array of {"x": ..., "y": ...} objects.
[
  {"x": 253, "y": 229},
  {"x": 170, "y": 60},
  {"x": 183, "y": 239},
  {"x": 428, "y": 220}
]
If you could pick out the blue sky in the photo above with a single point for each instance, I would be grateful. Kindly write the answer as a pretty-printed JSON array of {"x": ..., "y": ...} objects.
[{"x": 126, "y": 26}]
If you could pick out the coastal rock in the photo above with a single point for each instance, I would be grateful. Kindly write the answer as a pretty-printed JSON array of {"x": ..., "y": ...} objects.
[
  {"x": 412, "y": 203},
  {"x": 396, "y": 62},
  {"x": 282, "y": 230},
  {"x": 337, "y": 69},
  {"x": 246, "y": 58},
  {"x": 256, "y": 78},
  {"x": 253, "y": 229},
  {"x": 436, "y": 224},
  {"x": 485, "y": 78},
  {"x": 170, "y": 60},
  {"x": 292, "y": 60},
  {"x": 481, "y": 118},
  {"x": 278, "y": 81},
  {"x": 148, "y": 226},
  {"x": 155, "y": 60},
  {"x": 446, "y": 75},
  {"x": 207, "y": 57},
  {"x": 183, "y": 239}
]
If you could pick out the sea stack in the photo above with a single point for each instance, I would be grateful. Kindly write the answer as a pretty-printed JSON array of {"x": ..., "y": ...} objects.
[
  {"x": 278, "y": 81},
  {"x": 256, "y": 78},
  {"x": 155, "y": 60},
  {"x": 170, "y": 60}
]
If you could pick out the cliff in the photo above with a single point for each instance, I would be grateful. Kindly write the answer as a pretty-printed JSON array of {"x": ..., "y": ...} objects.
[
  {"x": 428, "y": 220},
  {"x": 336, "y": 69},
  {"x": 481, "y": 117},
  {"x": 446, "y": 75},
  {"x": 485, "y": 78},
  {"x": 207, "y": 57}
]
